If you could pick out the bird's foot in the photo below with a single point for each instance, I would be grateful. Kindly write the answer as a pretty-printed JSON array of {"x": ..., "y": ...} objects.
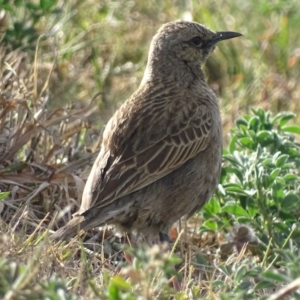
[{"x": 164, "y": 237}]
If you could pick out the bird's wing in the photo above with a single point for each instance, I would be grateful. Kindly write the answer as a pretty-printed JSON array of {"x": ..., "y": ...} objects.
[{"x": 156, "y": 142}]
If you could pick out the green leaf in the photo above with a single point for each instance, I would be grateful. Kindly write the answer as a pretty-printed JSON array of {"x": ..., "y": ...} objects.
[
  {"x": 261, "y": 114},
  {"x": 284, "y": 117},
  {"x": 247, "y": 142},
  {"x": 236, "y": 188},
  {"x": 221, "y": 190},
  {"x": 274, "y": 173},
  {"x": 266, "y": 180},
  {"x": 211, "y": 225},
  {"x": 264, "y": 135},
  {"x": 241, "y": 122},
  {"x": 290, "y": 177},
  {"x": 281, "y": 160},
  {"x": 213, "y": 206},
  {"x": 275, "y": 276},
  {"x": 291, "y": 128},
  {"x": 240, "y": 273},
  {"x": 233, "y": 187},
  {"x": 292, "y": 152},
  {"x": 120, "y": 282},
  {"x": 254, "y": 272},
  {"x": 254, "y": 123},
  {"x": 252, "y": 134},
  {"x": 264, "y": 284},
  {"x": 288, "y": 116},
  {"x": 235, "y": 209},
  {"x": 290, "y": 201},
  {"x": 32, "y": 6},
  {"x": 113, "y": 293},
  {"x": 236, "y": 171},
  {"x": 252, "y": 210},
  {"x": 47, "y": 4},
  {"x": 268, "y": 162},
  {"x": 4, "y": 195},
  {"x": 226, "y": 269},
  {"x": 232, "y": 144},
  {"x": 277, "y": 191},
  {"x": 6, "y": 7},
  {"x": 244, "y": 129},
  {"x": 243, "y": 286},
  {"x": 232, "y": 159},
  {"x": 218, "y": 283}
]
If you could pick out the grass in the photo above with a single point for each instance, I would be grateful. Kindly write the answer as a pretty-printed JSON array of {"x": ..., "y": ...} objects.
[{"x": 65, "y": 68}]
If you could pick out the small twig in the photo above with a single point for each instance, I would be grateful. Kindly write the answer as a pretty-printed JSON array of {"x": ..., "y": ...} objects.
[{"x": 287, "y": 290}]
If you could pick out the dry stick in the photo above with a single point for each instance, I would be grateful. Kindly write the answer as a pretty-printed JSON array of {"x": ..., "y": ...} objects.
[{"x": 287, "y": 290}]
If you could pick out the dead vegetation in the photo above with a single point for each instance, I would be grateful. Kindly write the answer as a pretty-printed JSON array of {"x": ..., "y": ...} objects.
[{"x": 43, "y": 160}]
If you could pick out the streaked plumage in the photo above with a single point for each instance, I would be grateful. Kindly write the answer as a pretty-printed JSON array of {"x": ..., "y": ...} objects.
[{"x": 160, "y": 157}]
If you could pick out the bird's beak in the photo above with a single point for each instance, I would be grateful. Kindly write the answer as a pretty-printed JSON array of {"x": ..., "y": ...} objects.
[{"x": 220, "y": 36}]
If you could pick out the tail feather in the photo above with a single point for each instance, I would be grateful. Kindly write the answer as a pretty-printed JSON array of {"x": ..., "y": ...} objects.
[
  {"x": 91, "y": 218},
  {"x": 69, "y": 230}
]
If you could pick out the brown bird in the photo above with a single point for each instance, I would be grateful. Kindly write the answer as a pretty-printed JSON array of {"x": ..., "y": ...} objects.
[{"x": 160, "y": 157}]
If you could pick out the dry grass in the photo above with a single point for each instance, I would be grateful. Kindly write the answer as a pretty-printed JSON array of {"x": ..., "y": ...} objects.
[{"x": 42, "y": 154}]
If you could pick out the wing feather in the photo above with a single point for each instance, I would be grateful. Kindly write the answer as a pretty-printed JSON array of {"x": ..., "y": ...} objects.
[{"x": 135, "y": 163}]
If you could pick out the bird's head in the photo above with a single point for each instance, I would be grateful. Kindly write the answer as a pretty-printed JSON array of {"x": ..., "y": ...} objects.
[{"x": 190, "y": 42}]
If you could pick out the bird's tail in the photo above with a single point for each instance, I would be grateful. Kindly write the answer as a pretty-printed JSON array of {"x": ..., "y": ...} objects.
[{"x": 69, "y": 230}]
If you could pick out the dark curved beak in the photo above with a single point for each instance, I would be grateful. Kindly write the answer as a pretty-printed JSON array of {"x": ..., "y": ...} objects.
[{"x": 221, "y": 36}]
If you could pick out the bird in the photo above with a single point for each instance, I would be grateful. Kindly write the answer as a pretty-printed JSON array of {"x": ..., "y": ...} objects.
[{"x": 161, "y": 151}]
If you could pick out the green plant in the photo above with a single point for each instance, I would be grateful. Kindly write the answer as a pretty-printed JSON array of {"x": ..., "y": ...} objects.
[
  {"x": 146, "y": 277},
  {"x": 260, "y": 180},
  {"x": 247, "y": 279},
  {"x": 13, "y": 284},
  {"x": 26, "y": 15}
]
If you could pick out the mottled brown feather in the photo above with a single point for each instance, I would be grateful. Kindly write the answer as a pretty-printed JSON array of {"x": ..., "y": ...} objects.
[
  {"x": 166, "y": 151},
  {"x": 160, "y": 156}
]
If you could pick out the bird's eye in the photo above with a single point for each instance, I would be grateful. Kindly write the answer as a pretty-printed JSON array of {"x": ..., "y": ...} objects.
[{"x": 196, "y": 41}]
